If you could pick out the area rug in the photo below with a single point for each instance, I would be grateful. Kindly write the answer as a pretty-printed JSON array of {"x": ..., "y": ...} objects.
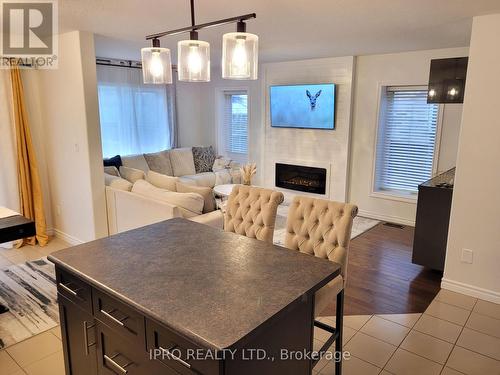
[{"x": 29, "y": 291}]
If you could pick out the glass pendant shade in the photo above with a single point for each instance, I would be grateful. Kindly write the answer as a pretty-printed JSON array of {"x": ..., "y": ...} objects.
[
  {"x": 193, "y": 61},
  {"x": 156, "y": 65},
  {"x": 240, "y": 56}
]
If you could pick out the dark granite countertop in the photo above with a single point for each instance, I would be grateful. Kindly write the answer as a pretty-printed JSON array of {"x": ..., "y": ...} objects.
[
  {"x": 443, "y": 180},
  {"x": 213, "y": 287}
]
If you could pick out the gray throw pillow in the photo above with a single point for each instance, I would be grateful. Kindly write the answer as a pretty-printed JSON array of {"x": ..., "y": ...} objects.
[
  {"x": 204, "y": 158},
  {"x": 160, "y": 162}
]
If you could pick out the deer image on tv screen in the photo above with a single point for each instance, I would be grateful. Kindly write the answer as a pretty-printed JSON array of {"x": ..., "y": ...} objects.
[
  {"x": 303, "y": 106},
  {"x": 312, "y": 98}
]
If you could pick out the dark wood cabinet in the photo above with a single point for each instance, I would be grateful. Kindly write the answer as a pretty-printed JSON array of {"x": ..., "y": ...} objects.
[
  {"x": 79, "y": 340},
  {"x": 433, "y": 218}
]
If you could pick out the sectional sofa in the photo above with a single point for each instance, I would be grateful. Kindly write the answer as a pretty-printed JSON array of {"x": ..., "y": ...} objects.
[{"x": 147, "y": 188}]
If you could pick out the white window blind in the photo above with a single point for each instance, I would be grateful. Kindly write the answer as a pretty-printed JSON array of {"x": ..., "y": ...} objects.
[
  {"x": 406, "y": 140},
  {"x": 235, "y": 127}
]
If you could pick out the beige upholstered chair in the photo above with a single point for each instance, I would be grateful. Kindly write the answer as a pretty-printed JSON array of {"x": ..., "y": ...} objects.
[
  {"x": 323, "y": 228},
  {"x": 251, "y": 211}
]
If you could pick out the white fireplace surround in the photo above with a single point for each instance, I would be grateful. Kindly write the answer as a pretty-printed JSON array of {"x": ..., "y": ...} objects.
[{"x": 327, "y": 149}]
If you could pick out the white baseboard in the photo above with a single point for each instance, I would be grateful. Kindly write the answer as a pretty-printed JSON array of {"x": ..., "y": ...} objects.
[
  {"x": 66, "y": 237},
  {"x": 470, "y": 290},
  {"x": 388, "y": 218}
]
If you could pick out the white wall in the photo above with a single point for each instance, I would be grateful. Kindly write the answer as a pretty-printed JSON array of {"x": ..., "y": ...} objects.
[
  {"x": 66, "y": 127},
  {"x": 475, "y": 220},
  {"x": 409, "y": 68},
  {"x": 317, "y": 148}
]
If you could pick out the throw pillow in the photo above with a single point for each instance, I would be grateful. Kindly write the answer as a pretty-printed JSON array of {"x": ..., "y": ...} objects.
[
  {"x": 115, "y": 161},
  {"x": 204, "y": 158},
  {"x": 221, "y": 163},
  {"x": 159, "y": 162},
  {"x": 132, "y": 174},
  {"x": 206, "y": 192},
  {"x": 112, "y": 170},
  {"x": 117, "y": 182},
  {"x": 190, "y": 203},
  {"x": 182, "y": 161},
  {"x": 162, "y": 181}
]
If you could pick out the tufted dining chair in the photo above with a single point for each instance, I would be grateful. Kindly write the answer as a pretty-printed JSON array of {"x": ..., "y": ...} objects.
[
  {"x": 322, "y": 228},
  {"x": 251, "y": 211}
]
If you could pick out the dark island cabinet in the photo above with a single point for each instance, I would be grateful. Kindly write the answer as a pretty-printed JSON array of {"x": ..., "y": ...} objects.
[{"x": 78, "y": 334}]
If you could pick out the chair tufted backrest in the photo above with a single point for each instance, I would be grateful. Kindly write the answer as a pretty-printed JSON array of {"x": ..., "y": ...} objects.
[
  {"x": 321, "y": 228},
  {"x": 251, "y": 211}
]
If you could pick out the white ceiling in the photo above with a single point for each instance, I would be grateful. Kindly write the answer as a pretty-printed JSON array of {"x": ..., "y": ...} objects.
[{"x": 288, "y": 29}]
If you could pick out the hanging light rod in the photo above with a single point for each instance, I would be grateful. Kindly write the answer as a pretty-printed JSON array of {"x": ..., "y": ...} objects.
[
  {"x": 239, "y": 53},
  {"x": 203, "y": 26}
]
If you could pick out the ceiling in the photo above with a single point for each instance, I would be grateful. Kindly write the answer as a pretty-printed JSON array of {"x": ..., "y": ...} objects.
[{"x": 288, "y": 29}]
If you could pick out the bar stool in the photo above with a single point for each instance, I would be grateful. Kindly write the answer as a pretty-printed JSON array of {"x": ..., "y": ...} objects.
[{"x": 322, "y": 228}]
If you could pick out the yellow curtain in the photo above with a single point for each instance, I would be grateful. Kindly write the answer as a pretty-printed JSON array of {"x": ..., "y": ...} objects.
[{"x": 30, "y": 192}]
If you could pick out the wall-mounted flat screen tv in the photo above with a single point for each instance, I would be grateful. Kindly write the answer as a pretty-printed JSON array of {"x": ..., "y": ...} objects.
[{"x": 303, "y": 106}]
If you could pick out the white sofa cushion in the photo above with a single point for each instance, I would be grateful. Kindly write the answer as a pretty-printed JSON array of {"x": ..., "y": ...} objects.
[
  {"x": 160, "y": 162},
  {"x": 117, "y": 182},
  {"x": 190, "y": 203},
  {"x": 112, "y": 170},
  {"x": 206, "y": 179},
  {"x": 132, "y": 174},
  {"x": 135, "y": 161},
  {"x": 162, "y": 181},
  {"x": 206, "y": 192},
  {"x": 223, "y": 177},
  {"x": 182, "y": 161}
]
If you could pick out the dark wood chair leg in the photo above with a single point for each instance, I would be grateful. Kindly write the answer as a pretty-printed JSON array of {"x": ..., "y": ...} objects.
[{"x": 339, "y": 326}]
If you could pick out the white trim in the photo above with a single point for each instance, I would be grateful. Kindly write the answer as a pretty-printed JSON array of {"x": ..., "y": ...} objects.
[
  {"x": 67, "y": 238},
  {"x": 470, "y": 290},
  {"x": 439, "y": 126},
  {"x": 437, "y": 142},
  {"x": 387, "y": 218},
  {"x": 394, "y": 196}
]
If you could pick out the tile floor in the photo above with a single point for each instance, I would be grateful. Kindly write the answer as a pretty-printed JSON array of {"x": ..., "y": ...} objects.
[{"x": 457, "y": 334}]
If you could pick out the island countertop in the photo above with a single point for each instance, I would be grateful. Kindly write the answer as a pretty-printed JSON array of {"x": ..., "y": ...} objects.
[{"x": 211, "y": 286}]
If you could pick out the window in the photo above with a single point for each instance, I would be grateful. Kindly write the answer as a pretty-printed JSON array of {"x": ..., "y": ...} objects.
[
  {"x": 406, "y": 140},
  {"x": 135, "y": 118},
  {"x": 234, "y": 129}
]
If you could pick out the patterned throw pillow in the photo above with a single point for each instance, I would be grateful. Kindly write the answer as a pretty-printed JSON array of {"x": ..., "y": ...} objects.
[{"x": 204, "y": 158}]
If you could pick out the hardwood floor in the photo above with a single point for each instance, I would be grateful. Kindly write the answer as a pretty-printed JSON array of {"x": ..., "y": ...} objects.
[{"x": 381, "y": 279}]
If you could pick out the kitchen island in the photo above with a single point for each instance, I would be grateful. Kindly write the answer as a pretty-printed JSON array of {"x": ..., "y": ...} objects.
[{"x": 182, "y": 297}]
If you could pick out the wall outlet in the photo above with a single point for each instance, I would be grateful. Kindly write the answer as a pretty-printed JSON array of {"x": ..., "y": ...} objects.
[{"x": 467, "y": 256}]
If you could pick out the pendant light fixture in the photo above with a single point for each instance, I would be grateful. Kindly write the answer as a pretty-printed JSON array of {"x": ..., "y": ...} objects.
[
  {"x": 156, "y": 64},
  {"x": 193, "y": 55},
  {"x": 193, "y": 59},
  {"x": 240, "y": 54}
]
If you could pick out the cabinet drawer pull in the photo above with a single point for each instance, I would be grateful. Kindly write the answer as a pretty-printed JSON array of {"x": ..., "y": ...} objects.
[
  {"x": 86, "y": 327},
  {"x": 174, "y": 357},
  {"x": 116, "y": 365},
  {"x": 69, "y": 290},
  {"x": 117, "y": 321}
]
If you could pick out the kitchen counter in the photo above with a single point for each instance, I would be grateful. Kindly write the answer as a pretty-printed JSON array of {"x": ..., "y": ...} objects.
[{"x": 213, "y": 287}]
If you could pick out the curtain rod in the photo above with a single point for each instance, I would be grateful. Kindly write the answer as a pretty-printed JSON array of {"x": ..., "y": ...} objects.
[{"x": 122, "y": 63}]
